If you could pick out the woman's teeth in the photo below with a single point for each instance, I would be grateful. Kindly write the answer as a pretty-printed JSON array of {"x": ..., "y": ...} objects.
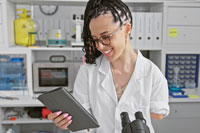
[{"x": 106, "y": 52}]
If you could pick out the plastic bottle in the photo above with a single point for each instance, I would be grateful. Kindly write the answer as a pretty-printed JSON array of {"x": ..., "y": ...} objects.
[
  {"x": 22, "y": 37},
  {"x": 9, "y": 131}
]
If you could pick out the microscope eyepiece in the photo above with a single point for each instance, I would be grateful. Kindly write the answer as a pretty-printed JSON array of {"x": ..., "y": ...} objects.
[
  {"x": 136, "y": 126},
  {"x": 125, "y": 119}
]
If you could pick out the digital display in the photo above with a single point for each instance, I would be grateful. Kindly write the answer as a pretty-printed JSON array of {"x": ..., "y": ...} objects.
[{"x": 49, "y": 77}]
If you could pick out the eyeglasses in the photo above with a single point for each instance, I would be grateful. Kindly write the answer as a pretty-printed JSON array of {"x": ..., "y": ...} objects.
[{"x": 104, "y": 39}]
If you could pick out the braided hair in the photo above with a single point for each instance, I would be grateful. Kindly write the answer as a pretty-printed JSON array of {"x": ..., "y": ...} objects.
[{"x": 95, "y": 8}]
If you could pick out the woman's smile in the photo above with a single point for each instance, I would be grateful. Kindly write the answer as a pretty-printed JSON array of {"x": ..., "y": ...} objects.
[{"x": 108, "y": 52}]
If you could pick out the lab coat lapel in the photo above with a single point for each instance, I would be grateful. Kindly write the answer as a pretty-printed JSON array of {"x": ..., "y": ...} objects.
[
  {"x": 134, "y": 84},
  {"x": 107, "y": 80}
]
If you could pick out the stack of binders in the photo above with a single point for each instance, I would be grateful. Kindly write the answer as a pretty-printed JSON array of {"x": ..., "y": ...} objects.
[{"x": 146, "y": 31}]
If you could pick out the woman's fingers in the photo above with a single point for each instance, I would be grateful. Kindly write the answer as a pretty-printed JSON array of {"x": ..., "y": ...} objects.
[
  {"x": 52, "y": 116},
  {"x": 64, "y": 126},
  {"x": 62, "y": 121},
  {"x": 60, "y": 118}
]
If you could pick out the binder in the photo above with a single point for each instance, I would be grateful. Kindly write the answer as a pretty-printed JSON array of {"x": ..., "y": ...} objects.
[
  {"x": 139, "y": 29},
  {"x": 157, "y": 30},
  {"x": 148, "y": 40},
  {"x": 61, "y": 100},
  {"x": 132, "y": 36}
]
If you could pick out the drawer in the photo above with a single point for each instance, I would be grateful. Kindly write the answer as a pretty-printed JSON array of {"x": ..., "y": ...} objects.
[
  {"x": 184, "y": 110},
  {"x": 183, "y": 16},
  {"x": 184, "y": 35}
]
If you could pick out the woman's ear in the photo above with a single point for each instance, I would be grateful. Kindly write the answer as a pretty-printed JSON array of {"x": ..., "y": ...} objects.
[{"x": 127, "y": 28}]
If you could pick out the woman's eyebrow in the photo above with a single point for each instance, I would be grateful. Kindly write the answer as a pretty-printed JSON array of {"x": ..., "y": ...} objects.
[
  {"x": 101, "y": 34},
  {"x": 104, "y": 33}
]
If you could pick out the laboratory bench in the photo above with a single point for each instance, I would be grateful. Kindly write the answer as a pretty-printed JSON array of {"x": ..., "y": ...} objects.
[{"x": 184, "y": 116}]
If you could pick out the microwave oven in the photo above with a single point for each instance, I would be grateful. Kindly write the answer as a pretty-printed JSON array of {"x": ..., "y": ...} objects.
[{"x": 48, "y": 76}]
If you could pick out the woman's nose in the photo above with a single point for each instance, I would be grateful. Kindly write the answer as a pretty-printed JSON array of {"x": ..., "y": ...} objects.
[{"x": 100, "y": 45}]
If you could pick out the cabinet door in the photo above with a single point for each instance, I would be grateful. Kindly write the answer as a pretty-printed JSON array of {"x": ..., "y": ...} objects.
[
  {"x": 183, "y": 118},
  {"x": 184, "y": 34},
  {"x": 183, "y": 16},
  {"x": 1, "y": 25}
]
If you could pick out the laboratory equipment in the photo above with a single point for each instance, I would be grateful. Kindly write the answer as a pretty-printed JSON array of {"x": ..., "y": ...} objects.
[
  {"x": 78, "y": 21},
  {"x": 56, "y": 38},
  {"x": 32, "y": 27},
  {"x": 136, "y": 126},
  {"x": 186, "y": 69},
  {"x": 11, "y": 73},
  {"x": 20, "y": 29},
  {"x": 49, "y": 75}
]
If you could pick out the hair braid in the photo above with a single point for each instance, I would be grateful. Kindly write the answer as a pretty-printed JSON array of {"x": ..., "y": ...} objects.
[{"x": 95, "y": 8}]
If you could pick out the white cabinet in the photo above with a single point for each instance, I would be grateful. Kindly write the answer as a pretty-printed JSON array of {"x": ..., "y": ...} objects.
[
  {"x": 25, "y": 124},
  {"x": 183, "y": 16},
  {"x": 185, "y": 35},
  {"x": 181, "y": 24},
  {"x": 184, "y": 117}
]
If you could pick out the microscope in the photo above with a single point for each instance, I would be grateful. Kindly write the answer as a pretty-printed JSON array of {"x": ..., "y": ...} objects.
[{"x": 136, "y": 126}]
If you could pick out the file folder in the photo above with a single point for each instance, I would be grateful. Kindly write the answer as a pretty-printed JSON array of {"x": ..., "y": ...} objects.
[
  {"x": 139, "y": 30},
  {"x": 148, "y": 31},
  {"x": 157, "y": 34}
]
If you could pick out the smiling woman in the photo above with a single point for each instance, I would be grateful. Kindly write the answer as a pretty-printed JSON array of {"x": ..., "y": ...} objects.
[
  {"x": 117, "y": 12},
  {"x": 116, "y": 77}
]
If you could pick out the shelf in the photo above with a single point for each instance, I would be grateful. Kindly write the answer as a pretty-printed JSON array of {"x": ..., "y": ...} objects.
[
  {"x": 187, "y": 100},
  {"x": 52, "y": 2},
  {"x": 34, "y": 48},
  {"x": 76, "y": 1},
  {"x": 23, "y": 101},
  {"x": 27, "y": 121}
]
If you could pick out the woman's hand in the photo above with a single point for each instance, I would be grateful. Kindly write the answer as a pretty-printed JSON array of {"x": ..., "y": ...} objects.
[
  {"x": 61, "y": 120},
  {"x": 157, "y": 116}
]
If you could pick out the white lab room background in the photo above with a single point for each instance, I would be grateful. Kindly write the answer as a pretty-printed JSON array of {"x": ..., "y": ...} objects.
[{"x": 41, "y": 49}]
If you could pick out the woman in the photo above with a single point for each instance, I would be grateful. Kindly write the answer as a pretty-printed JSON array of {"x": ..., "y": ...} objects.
[{"x": 115, "y": 78}]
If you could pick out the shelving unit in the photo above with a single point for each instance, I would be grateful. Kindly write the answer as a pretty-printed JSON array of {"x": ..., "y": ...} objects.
[
  {"x": 26, "y": 121},
  {"x": 157, "y": 55}
]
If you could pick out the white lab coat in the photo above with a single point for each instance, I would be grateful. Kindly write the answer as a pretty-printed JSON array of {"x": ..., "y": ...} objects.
[{"x": 147, "y": 91}]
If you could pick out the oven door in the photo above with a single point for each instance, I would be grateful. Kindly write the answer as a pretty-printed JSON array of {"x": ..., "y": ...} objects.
[{"x": 49, "y": 76}]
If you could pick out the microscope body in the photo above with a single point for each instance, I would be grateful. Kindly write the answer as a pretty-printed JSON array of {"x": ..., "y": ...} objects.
[{"x": 136, "y": 126}]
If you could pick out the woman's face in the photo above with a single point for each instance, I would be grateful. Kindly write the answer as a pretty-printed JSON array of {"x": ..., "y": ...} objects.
[{"x": 102, "y": 26}]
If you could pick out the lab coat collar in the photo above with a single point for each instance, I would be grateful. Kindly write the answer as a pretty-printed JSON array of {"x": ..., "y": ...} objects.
[
  {"x": 107, "y": 80},
  {"x": 135, "y": 82},
  {"x": 139, "y": 68}
]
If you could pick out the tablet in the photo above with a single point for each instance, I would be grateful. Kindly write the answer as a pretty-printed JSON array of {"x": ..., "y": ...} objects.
[{"x": 61, "y": 100}]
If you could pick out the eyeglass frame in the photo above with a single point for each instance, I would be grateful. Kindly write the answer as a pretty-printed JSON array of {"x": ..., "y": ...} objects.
[{"x": 96, "y": 41}]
